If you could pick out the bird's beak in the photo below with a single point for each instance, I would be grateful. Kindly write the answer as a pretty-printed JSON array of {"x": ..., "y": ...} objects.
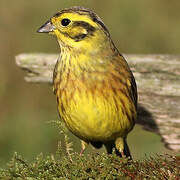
[{"x": 46, "y": 28}]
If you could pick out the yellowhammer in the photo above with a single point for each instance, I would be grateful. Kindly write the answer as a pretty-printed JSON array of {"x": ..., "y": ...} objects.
[{"x": 95, "y": 89}]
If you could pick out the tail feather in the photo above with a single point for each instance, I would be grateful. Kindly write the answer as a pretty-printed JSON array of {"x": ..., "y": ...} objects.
[
  {"x": 97, "y": 144},
  {"x": 127, "y": 150}
]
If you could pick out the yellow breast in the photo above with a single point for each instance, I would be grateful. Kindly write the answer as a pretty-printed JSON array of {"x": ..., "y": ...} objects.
[
  {"x": 97, "y": 115},
  {"x": 95, "y": 98}
]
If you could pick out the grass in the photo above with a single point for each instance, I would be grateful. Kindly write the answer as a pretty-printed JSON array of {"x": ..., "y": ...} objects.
[{"x": 93, "y": 166}]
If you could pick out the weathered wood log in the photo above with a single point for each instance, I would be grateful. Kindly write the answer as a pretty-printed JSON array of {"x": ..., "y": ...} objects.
[{"x": 158, "y": 81}]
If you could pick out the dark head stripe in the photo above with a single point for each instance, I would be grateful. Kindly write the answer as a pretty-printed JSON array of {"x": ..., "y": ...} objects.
[
  {"x": 90, "y": 29},
  {"x": 79, "y": 37},
  {"x": 84, "y": 11},
  {"x": 76, "y": 38}
]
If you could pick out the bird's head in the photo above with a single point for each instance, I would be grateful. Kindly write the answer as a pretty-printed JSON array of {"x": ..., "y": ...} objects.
[{"x": 78, "y": 28}]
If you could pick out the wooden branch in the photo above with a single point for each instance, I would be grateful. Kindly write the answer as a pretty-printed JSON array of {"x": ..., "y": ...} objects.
[{"x": 158, "y": 81}]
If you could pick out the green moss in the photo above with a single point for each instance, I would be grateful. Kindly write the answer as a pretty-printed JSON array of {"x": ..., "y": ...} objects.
[{"x": 93, "y": 166}]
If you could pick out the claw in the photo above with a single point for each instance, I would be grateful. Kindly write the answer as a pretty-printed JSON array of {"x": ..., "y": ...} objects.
[
  {"x": 122, "y": 147},
  {"x": 84, "y": 146}
]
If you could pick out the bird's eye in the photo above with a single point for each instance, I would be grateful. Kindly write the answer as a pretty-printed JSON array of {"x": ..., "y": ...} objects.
[{"x": 65, "y": 22}]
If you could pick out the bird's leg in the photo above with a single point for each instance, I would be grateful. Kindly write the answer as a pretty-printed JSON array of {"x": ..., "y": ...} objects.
[
  {"x": 84, "y": 145},
  {"x": 119, "y": 143},
  {"x": 122, "y": 147}
]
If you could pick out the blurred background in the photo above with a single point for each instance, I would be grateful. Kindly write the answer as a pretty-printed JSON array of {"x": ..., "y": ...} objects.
[{"x": 143, "y": 27}]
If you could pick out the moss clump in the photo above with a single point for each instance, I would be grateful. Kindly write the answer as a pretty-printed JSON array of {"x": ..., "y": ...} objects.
[{"x": 92, "y": 166}]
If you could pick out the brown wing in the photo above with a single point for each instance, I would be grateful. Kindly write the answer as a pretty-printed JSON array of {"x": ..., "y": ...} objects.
[
  {"x": 133, "y": 90},
  {"x": 121, "y": 66}
]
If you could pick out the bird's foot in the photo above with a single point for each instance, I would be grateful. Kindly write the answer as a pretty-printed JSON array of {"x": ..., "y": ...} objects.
[{"x": 84, "y": 145}]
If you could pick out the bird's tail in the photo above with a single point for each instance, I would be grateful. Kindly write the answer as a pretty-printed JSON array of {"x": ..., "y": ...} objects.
[
  {"x": 127, "y": 150},
  {"x": 97, "y": 144}
]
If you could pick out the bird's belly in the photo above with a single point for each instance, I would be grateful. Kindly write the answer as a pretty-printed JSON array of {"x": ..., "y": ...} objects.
[{"x": 96, "y": 119}]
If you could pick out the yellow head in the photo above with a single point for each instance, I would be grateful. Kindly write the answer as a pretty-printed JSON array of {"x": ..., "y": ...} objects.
[{"x": 77, "y": 28}]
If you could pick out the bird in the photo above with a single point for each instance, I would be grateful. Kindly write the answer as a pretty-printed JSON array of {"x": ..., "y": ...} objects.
[{"x": 95, "y": 89}]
